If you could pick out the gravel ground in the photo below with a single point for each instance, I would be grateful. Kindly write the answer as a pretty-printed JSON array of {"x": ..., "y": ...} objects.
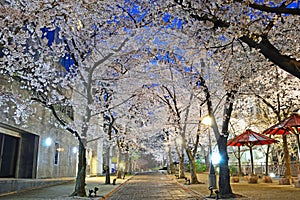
[{"x": 247, "y": 190}]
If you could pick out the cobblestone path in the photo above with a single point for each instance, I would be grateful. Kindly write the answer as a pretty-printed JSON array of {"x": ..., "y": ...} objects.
[{"x": 156, "y": 186}]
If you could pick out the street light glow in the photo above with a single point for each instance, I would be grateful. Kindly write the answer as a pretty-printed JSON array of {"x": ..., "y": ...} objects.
[
  {"x": 206, "y": 120},
  {"x": 48, "y": 142},
  {"x": 215, "y": 158},
  {"x": 75, "y": 150}
]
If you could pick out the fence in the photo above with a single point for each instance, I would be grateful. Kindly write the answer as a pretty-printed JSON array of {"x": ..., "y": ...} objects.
[{"x": 260, "y": 168}]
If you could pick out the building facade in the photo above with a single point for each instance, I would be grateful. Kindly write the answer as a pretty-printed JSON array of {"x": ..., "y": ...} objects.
[{"x": 34, "y": 146}]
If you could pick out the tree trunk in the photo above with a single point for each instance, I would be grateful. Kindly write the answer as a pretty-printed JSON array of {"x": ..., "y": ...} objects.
[
  {"x": 107, "y": 168},
  {"x": 130, "y": 164},
  {"x": 181, "y": 166},
  {"x": 267, "y": 160},
  {"x": 172, "y": 168},
  {"x": 288, "y": 173},
  {"x": 118, "y": 172},
  {"x": 126, "y": 162},
  {"x": 224, "y": 178},
  {"x": 251, "y": 159},
  {"x": 194, "y": 179},
  {"x": 81, "y": 173},
  {"x": 207, "y": 162},
  {"x": 239, "y": 161}
]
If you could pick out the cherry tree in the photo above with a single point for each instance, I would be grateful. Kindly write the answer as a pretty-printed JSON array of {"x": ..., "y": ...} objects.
[
  {"x": 266, "y": 26},
  {"x": 91, "y": 35},
  {"x": 275, "y": 97},
  {"x": 242, "y": 27},
  {"x": 85, "y": 35}
]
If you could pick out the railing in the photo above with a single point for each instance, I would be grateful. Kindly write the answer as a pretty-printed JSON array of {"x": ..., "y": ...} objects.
[{"x": 260, "y": 168}]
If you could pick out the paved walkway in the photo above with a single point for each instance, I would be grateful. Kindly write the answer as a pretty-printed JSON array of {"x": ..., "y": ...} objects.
[
  {"x": 152, "y": 186},
  {"x": 157, "y": 186},
  {"x": 62, "y": 191}
]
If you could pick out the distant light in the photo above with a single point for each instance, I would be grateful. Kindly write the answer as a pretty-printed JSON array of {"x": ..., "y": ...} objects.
[
  {"x": 207, "y": 120},
  {"x": 272, "y": 175},
  {"x": 215, "y": 158},
  {"x": 48, "y": 142},
  {"x": 60, "y": 149},
  {"x": 74, "y": 150}
]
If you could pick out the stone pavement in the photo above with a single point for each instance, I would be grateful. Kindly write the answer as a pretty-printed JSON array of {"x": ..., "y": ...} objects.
[
  {"x": 157, "y": 186},
  {"x": 62, "y": 191},
  {"x": 153, "y": 186}
]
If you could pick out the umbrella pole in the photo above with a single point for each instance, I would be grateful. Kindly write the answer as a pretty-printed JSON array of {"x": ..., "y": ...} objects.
[
  {"x": 251, "y": 157},
  {"x": 298, "y": 142}
]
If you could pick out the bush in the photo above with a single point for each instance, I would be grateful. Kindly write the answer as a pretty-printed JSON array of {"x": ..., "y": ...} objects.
[
  {"x": 199, "y": 167},
  {"x": 233, "y": 170}
]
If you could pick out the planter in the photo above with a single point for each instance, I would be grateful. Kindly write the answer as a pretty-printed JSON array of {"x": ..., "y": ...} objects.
[
  {"x": 235, "y": 179},
  {"x": 284, "y": 181},
  {"x": 252, "y": 178},
  {"x": 267, "y": 179},
  {"x": 297, "y": 182}
]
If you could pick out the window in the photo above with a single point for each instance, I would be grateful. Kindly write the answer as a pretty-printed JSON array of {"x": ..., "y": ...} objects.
[{"x": 56, "y": 155}]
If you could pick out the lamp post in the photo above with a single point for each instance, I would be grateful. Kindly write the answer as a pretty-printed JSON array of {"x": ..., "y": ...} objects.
[{"x": 212, "y": 174}]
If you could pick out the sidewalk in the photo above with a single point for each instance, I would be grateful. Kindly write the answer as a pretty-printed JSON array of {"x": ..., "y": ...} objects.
[{"x": 62, "y": 191}]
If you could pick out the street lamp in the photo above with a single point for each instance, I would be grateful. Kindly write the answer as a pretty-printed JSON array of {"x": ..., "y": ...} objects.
[{"x": 212, "y": 174}]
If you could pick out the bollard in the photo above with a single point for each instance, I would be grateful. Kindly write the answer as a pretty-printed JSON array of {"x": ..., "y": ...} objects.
[
  {"x": 217, "y": 194},
  {"x": 95, "y": 191},
  {"x": 212, "y": 181},
  {"x": 91, "y": 192},
  {"x": 211, "y": 191},
  {"x": 187, "y": 181}
]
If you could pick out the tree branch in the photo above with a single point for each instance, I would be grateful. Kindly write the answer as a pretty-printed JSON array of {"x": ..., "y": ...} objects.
[{"x": 286, "y": 63}]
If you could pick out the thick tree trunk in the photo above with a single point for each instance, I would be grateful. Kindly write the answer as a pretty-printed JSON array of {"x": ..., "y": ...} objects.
[
  {"x": 118, "y": 172},
  {"x": 267, "y": 160},
  {"x": 107, "y": 168},
  {"x": 181, "y": 166},
  {"x": 126, "y": 162},
  {"x": 194, "y": 179},
  {"x": 224, "y": 178},
  {"x": 172, "y": 168},
  {"x": 81, "y": 173},
  {"x": 239, "y": 161},
  {"x": 207, "y": 162},
  {"x": 130, "y": 164},
  {"x": 288, "y": 173}
]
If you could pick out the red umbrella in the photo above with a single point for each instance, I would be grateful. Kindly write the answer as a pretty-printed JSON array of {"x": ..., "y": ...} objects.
[
  {"x": 250, "y": 138},
  {"x": 289, "y": 125}
]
